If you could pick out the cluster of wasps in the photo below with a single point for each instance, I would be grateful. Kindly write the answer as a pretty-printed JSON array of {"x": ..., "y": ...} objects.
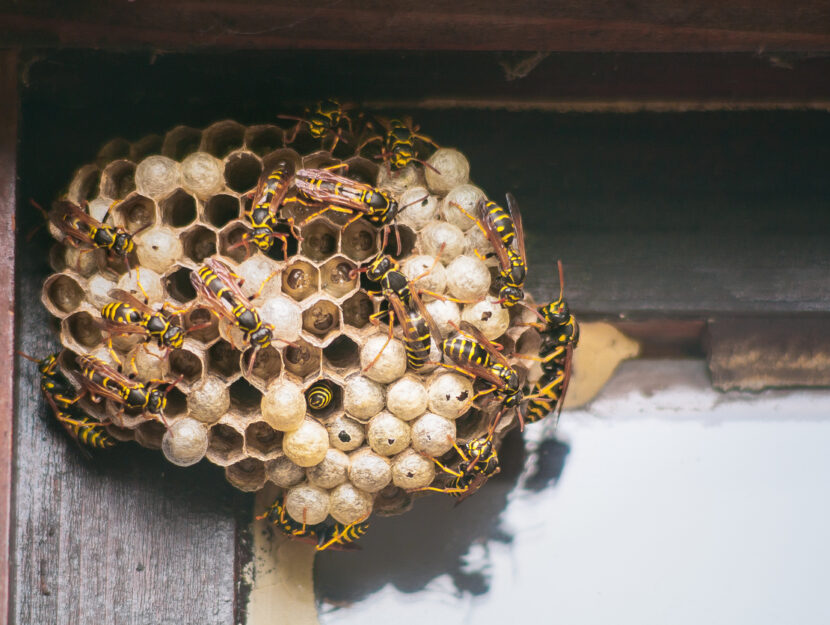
[{"x": 267, "y": 219}]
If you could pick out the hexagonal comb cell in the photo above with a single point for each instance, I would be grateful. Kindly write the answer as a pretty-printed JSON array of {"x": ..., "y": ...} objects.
[
  {"x": 176, "y": 403},
  {"x": 407, "y": 241},
  {"x": 230, "y": 242},
  {"x": 247, "y": 475},
  {"x": 360, "y": 240},
  {"x": 321, "y": 318},
  {"x": 112, "y": 150},
  {"x": 323, "y": 398},
  {"x": 224, "y": 444},
  {"x": 357, "y": 310},
  {"x": 262, "y": 140},
  {"x": 118, "y": 180},
  {"x": 223, "y": 359},
  {"x": 342, "y": 352},
  {"x": 267, "y": 363},
  {"x": 319, "y": 240},
  {"x": 63, "y": 293},
  {"x": 151, "y": 144},
  {"x": 136, "y": 212},
  {"x": 336, "y": 276},
  {"x": 83, "y": 328},
  {"x": 262, "y": 440},
  {"x": 185, "y": 363},
  {"x": 322, "y": 159},
  {"x": 222, "y": 138},
  {"x": 180, "y": 142},
  {"x": 201, "y": 325},
  {"x": 178, "y": 285},
  {"x": 149, "y": 434},
  {"x": 178, "y": 209},
  {"x": 244, "y": 396},
  {"x": 299, "y": 280},
  {"x": 198, "y": 243},
  {"x": 221, "y": 209},
  {"x": 362, "y": 170},
  {"x": 302, "y": 359},
  {"x": 242, "y": 171},
  {"x": 85, "y": 184}
]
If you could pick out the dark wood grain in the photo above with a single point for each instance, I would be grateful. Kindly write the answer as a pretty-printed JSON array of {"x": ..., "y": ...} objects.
[
  {"x": 8, "y": 188},
  {"x": 672, "y": 25}
]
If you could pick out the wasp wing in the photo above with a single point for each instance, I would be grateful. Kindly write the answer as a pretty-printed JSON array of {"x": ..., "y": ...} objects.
[
  {"x": 492, "y": 235},
  {"x": 516, "y": 216},
  {"x": 486, "y": 343}
]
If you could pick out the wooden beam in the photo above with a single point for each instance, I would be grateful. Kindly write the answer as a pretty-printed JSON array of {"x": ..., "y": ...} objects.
[
  {"x": 8, "y": 186},
  {"x": 560, "y": 25}
]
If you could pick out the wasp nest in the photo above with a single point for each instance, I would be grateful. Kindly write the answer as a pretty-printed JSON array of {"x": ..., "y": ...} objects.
[{"x": 183, "y": 196}]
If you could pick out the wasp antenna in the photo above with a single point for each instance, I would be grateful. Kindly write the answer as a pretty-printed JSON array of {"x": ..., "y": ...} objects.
[
  {"x": 531, "y": 309},
  {"x": 27, "y": 357},
  {"x": 425, "y": 164},
  {"x": 561, "y": 280},
  {"x": 420, "y": 199}
]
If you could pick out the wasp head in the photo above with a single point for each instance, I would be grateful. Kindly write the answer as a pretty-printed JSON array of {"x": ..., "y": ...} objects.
[
  {"x": 380, "y": 267},
  {"x": 48, "y": 365},
  {"x": 263, "y": 238},
  {"x": 174, "y": 337},
  {"x": 261, "y": 337},
  {"x": 156, "y": 402},
  {"x": 556, "y": 313},
  {"x": 510, "y": 296},
  {"x": 123, "y": 244}
]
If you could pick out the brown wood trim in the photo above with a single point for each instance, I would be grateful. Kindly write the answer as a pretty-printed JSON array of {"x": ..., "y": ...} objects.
[
  {"x": 8, "y": 175},
  {"x": 558, "y": 25}
]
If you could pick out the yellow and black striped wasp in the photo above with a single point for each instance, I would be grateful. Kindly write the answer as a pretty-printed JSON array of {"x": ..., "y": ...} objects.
[
  {"x": 263, "y": 214},
  {"x": 341, "y": 536},
  {"x": 399, "y": 149},
  {"x": 476, "y": 356},
  {"x": 548, "y": 393},
  {"x": 504, "y": 229},
  {"x": 219, "y": 286},
  {"x": 62, "y": 397},
  {"x": 82, "y": 230},
  {"x": 103, "y": 381},
  {"x": 405, "y": 304},
  {"x": 129, "y": 315},
  {"x": 324, "y": 535},
  {"x": 344, "y": 195},
  {"x": 324, "y": 119},
  {"x": 479, "y": 462}
]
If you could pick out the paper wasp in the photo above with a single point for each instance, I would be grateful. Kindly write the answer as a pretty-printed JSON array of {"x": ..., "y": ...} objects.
[
  {"x": 399, "y": 143},
  {"x": 324, "y": 119},
  {"x": 100, "y": 380},
  {"x": 263, "y": 215},
  {"x": 548, "y": 394},
  {"x": 130, "y": 315},
  {"x": 324, "y": 535},
  {"x": 62, "y": 398},
  {"x": 476, "y": 356},
  {"x": 219, "y": 286},
  {"x": 479, "y": 462},
  {"x": 503, "y": 228},
  {"x": 405, "y": 304},
  {"x": 84, "y": 231}
]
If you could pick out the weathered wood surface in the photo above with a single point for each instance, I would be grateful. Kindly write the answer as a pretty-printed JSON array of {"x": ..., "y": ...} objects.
[
  {"x": 670, "y": 25},
  {"x": 8, "y": 188},
  {"x": 125, "y": 538}
]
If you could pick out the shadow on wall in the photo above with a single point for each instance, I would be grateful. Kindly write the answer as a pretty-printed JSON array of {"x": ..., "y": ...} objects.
[{"x": 433, "y": 539}]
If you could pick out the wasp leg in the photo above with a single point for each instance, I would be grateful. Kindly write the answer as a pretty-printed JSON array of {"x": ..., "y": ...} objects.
[{"x": 388, "y": 338}]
